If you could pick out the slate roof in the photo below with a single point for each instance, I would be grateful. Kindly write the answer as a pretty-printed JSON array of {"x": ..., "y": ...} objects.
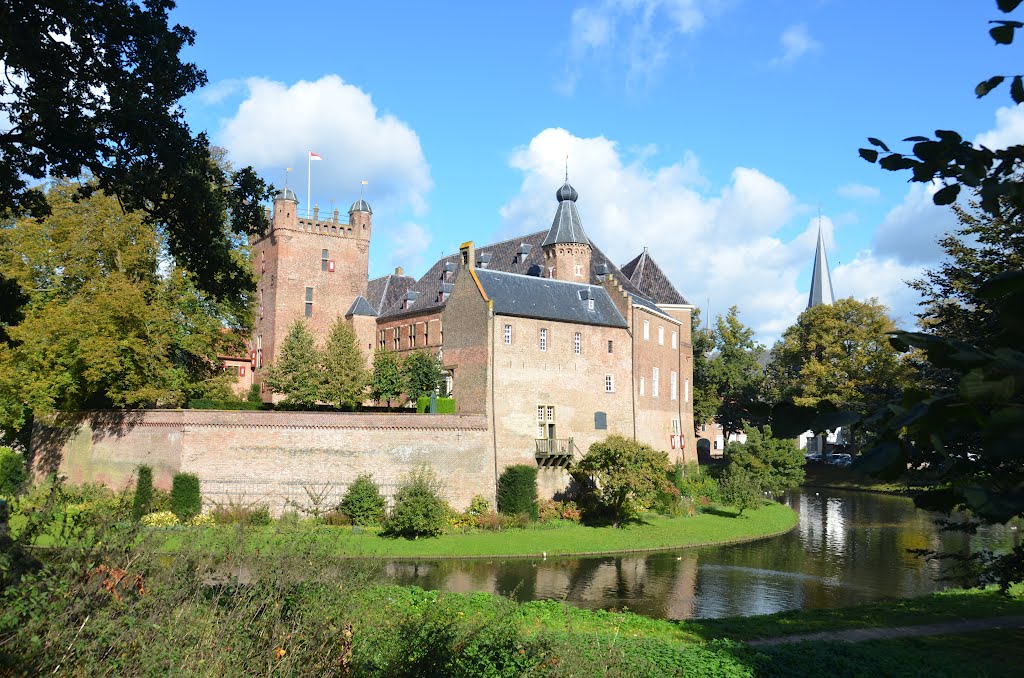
[
  {"x": 821, "y": 281},
  {"x": 383, "y": 292},
  {"x": 360, "y": 307},
  {"x": 566, "y": 226},
  {"x": 360, "y": 206},
  {"x": 505, "y": 256},
  {"x": 652, "y": 282},
  {"x": 546, "y": 298}
]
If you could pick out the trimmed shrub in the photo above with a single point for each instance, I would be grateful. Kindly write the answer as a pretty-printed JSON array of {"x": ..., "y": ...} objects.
[
  {"x": 444, "y": 405},
  {"x": 186, "y": 498},
  {"x": 143, "y": 500},
  {"x": 12, "y": 472},
  {"x": 517, "y": 490},
  {"x": 419, "y": 510},
  {"x": 740, "y": 489},
  {"x": 363, "y": 503}
]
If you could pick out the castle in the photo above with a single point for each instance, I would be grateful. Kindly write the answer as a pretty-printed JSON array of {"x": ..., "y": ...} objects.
[{"x": 543, "y": 335}]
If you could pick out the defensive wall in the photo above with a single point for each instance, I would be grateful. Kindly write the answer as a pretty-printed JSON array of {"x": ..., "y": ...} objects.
[{"x": 282, "y": 459}]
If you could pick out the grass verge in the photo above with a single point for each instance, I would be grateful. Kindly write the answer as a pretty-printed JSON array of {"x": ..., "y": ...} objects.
[
  {"x": 655, "y": 533},
  {"x": 944, "y": 606}
]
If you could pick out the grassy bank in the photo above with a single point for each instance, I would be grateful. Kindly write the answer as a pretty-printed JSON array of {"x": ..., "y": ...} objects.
[
  {"x": 653, "y": 533},
  {"x": 945, "y": 606}
]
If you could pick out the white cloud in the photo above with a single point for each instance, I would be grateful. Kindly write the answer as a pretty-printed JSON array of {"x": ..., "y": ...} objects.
[
  {"x": 725, "y": 244},
  {"x": 884, "y": 278},
  {"x": 277, "y": 124},
  {"x": 634, "y": 34},
  {"x": 855, "y": 191},
  {"x": 408, "y": 246},
  {"x": 1009, "y": 129},
  {"x": 216, "y": 92},
  {"x": 911, "y": 230},
  {"x": 796, "y": 42}
]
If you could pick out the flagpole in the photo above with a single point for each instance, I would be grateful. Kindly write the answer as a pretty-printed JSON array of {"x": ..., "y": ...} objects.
[{"x": 309, "y": 179}]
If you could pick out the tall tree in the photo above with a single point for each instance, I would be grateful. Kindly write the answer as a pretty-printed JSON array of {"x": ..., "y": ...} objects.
[
  {"x": 840, "y": 353},
  {"x": 983, "y": 246},
  {"x": 387, "y": 381},
  {"x": 736, "y": 373},
  {"x": 92, "y": 88},
  {"x": 102, "y": 326},
  {"x": 423, "y": 374},
  {"x": 345, "y": 376},
  {"x": 705, "y": 391},
  {"x": 297, "y": 373}
]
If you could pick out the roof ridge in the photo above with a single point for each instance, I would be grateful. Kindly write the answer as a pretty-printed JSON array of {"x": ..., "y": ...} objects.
[{"x": 537, "y": 277}]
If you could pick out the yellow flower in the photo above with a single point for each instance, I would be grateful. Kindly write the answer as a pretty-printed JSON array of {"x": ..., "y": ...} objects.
[{"x": 280, "y": 652}]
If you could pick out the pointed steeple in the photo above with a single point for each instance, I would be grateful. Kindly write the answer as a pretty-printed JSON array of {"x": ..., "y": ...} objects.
[{"x": 821, "y": 280}]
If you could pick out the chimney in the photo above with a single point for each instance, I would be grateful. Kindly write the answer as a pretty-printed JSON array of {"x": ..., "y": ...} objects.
[
  {"x": 316, "y": 212},
  {"x": 399, "y": 270},
  {"x": 468, "y": 255}
]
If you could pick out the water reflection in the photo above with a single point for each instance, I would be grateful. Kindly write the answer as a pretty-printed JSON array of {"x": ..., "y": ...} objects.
[{"x": 849, "y": 548}]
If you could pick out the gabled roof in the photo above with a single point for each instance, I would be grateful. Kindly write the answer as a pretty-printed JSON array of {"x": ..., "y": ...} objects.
[
  {"x": 821, "y": 281},
  {"x": 383, "y": 292},
  {"x": 652, "y": 282},
  {"x": 504, "y": 256},
  {"x": 360, "y": 307},
  {"x": 527, "y": 296}
]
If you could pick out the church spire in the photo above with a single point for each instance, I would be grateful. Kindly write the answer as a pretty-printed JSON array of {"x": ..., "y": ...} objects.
[{"x": 821, "y": 280}]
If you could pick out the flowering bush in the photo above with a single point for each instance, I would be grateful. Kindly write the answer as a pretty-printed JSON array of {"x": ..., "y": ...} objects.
[
  {"x": 202, "y": 520},
  {"x": 160, "y": 519},
  {"x": 549, "y": 510}
]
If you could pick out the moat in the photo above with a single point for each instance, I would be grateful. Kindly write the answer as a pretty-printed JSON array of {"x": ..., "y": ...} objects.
[{"x": 849, "y": 548}]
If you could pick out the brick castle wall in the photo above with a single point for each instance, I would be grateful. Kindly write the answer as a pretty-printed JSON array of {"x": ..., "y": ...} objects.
[{"x": 271, "y": 458}]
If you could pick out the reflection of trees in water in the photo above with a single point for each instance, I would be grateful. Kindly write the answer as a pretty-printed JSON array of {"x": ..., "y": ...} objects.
[{"x": 849, "y": 548}]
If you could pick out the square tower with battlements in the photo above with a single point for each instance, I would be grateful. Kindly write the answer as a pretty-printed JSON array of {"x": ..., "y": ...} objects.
[{"x": 307, "y": 268}]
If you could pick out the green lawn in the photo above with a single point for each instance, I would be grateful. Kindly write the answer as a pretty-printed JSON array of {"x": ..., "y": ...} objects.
[{"x": 655, "y": 533}]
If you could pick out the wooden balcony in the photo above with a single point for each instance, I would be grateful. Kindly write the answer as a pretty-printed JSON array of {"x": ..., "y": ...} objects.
[{"x": 556, "y": 452}]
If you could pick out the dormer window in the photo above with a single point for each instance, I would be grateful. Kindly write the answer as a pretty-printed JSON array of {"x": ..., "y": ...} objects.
[
  {"x": 483, "y": 259},
  {"x": 410, "y": 297},
  {"x": 524, "y": 251}
]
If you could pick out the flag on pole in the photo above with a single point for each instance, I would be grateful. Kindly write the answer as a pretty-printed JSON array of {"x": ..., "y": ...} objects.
[
  {"x": 314, "y": 156},
  {"x": 309, "y": 178}
]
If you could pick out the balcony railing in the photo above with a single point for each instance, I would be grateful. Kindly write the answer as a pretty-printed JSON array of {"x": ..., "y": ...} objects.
[{"x": 556, "y": 451}]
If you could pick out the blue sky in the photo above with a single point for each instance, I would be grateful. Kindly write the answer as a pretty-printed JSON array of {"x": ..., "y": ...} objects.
[{"x": 710, "y": 131}]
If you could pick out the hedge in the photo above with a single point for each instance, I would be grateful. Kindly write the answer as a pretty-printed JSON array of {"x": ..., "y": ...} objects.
[
  {"x": 206, "y": 404},
  {"x": 444, "y": 405},
  {"x": 186, "y": 498},
  {"x": 517, "y": 490}
]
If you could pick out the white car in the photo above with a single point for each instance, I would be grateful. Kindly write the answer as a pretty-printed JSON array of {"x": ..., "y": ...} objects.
[{"x": 840, "y": 460}]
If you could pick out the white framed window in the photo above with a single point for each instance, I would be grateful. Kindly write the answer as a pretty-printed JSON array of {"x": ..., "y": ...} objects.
[
  {"x": 686, "y": 390},
  {"x": 508, "y": 334},
  {"x": 324, "y": 256},
  {"x": 643, "y": 384},
  {"x": 673, "y": 386},
  {"x": 412, "y": 335},
  {"x": 545, "y": 421},
  {"x": 661, "y": 335},
  {"x": 675, "y": 340},
  {"x": 675, "y": 426},
  {"x": 579, "y": 270},
  {"x": 647, "y": 330},
  {"x": 609, "y": 383},
  {"x": 577, "y": 343},
  {"x": 259, "y": 350},
  {"x": 590, "y": 304},
  {"x": 543, "y": 340},
  {"x": 309, "y": 302},
  {"x": 654, "y": 382}
]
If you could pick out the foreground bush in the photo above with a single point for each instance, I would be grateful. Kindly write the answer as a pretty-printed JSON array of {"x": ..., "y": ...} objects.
[
  {"x": 186, "y": 498},
  {"x": 12, "y": 472},
  {"x": 419, "y": 510},
  {"x": 517, "y": 491},
  {"x": 363, "y": 503},
  {"x": 740, "y": 489}
]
